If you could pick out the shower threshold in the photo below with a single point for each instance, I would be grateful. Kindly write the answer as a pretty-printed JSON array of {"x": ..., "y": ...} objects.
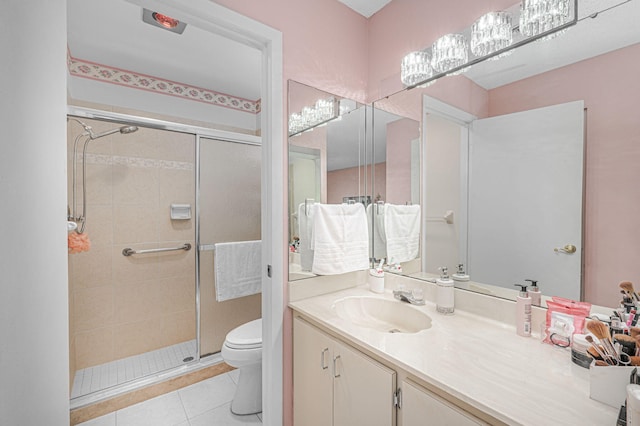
[{"x": 107, "y": 380}]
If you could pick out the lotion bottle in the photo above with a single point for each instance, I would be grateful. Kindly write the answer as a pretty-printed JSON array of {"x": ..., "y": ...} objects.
[
  {"x": 534, "y": 293},
  {"x": 444, "y": 292},
  {"x": 523, "y": 312},
  {"x": 460, "y": 275}
]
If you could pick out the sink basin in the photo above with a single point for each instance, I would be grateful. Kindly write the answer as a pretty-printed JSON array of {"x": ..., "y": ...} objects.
[{"x": 387, "y": 316}]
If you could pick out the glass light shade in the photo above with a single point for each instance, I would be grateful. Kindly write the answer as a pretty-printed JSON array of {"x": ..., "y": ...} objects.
[
  {"x": 538, "y": 16},
  {"x": 490, "y": 33},
  {"x": 416, "y": 67},
  {"x": 449, "y": 51}
]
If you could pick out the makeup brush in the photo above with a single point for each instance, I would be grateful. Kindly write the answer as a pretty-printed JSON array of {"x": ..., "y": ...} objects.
[
  {"x": 628, "y": 342},
  {"x": 635, "y": 360},
  {"x": 627, "y": 286},
  {"x": 599, "y": 351},
  {"x": 601, "y": 331}
]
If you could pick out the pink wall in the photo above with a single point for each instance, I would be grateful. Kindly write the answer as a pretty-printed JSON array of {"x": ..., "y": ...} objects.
[
  {"x": 345, "y": 182},
  {"x": 609, "y": 86},
  {"x": 400, "y": 133}
]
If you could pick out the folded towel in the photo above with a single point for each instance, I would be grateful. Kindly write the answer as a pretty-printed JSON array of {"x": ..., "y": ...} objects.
[
  {"x": 340, "y": 239},
  {"x": 305, "y": 222},
  {"x": 238, "y": 269},
  {"x": 375, "y": 225},
  {"x": 402, "y": 229}
]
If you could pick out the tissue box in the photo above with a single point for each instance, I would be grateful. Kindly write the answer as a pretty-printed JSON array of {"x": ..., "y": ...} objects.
[{"x": 609, "y": 384}]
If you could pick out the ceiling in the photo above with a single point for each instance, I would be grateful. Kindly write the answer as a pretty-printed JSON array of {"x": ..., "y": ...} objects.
[
  {"x": 112, "y": 33},
  {"x": 366, "y": 8}
]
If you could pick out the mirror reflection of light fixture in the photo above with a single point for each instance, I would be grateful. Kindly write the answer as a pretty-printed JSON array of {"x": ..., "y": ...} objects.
[
  {"x": 321, "y": 113},
  {"x": 163, "y": 21},
  {"x": 491, "y": 32},
  {"x": 416, "y": 67},
  {"x": 539, "y": 16}
]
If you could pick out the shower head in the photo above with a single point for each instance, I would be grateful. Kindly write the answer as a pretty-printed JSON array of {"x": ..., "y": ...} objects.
[
  {"x": 89, "y": 130},
  {"x": 124, "y": 130}
]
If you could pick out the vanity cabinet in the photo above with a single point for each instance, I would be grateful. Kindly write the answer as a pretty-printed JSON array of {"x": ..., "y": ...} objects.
[
  {"x": 421, "y": 407},
  {"x": 334, "y": 384}
]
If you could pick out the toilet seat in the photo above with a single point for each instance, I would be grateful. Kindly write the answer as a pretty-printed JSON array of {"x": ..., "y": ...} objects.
[{"x": 246, "y": 336}]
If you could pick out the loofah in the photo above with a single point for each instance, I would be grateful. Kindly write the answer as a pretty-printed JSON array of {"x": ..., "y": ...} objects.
[{"x": 78, "y": 242}]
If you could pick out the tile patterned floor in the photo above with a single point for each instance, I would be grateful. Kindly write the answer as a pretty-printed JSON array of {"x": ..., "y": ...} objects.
[
  {"x": 113, "y": 373},
  {"x": 205, "y": 403}
]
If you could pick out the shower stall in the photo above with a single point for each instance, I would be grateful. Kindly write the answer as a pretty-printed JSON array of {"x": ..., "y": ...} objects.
[{"x": 149, "y": 199}]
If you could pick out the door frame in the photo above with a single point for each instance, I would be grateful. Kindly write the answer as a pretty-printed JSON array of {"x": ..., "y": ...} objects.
[
  {"x": 217, "y": 19},
  {"x": 441, "y": 109}
]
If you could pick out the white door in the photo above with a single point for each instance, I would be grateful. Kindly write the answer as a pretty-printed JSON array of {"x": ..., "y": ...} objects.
[{"x": 525, "y": 198}]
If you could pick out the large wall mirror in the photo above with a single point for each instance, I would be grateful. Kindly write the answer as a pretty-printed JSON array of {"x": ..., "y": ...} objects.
[
  {"x": 328, "y": 163},
  {"x": 502, "y": 155}
]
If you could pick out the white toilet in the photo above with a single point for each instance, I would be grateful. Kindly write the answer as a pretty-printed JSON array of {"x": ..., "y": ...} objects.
[{"x": 243, "y": 349}]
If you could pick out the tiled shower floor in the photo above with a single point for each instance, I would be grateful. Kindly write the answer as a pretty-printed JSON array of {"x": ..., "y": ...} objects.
[{"x": 114, "y": 373}]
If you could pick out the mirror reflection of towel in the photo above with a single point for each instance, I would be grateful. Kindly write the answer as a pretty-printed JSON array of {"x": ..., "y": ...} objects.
[
  {"x": 340, "y": 239},
  {"x": 402, "y": 231}
]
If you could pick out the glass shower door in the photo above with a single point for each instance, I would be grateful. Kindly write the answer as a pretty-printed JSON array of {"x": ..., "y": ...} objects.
[{"x": 229, "y": 211}]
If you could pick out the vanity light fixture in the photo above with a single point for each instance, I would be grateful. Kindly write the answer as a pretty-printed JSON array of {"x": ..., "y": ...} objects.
[
  {"x": 323, "y": 111},
  {"x": 539, "y": 16},
  {"x": 450, "y": 51},
  {"x": 416, "y": 67},
  {"x": 490, "y": 33},
  {"x": 492, "y": 36},
  {"x": 163, "y": 21}
]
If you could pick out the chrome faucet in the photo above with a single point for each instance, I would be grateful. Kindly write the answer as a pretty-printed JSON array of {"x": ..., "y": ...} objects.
[{"x": 407, "y": 296}]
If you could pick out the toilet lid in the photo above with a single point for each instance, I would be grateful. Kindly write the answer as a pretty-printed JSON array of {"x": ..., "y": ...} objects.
[{"x": 246, "y": 336}]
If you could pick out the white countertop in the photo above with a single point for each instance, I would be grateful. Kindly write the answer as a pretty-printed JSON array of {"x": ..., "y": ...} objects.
[{"x": 515, "y": 379}]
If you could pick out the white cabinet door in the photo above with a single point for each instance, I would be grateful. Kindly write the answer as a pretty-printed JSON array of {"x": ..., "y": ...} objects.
[
  {"x": 423, "y": 408},
  {"x": 312, "y": 376},
  {"x": 363, "y": 390}
]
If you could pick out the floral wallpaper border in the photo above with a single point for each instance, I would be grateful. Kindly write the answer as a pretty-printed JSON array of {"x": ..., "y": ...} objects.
[{"x": 91, "y": 70}]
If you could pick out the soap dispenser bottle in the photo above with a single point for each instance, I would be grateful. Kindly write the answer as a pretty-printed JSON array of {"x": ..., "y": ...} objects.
[
  {"x": 444, "y": 292},
  {"x": 523, "y": 312},
  {"x": 534, "y": 293},
  {"x": 460, "y": 274}
]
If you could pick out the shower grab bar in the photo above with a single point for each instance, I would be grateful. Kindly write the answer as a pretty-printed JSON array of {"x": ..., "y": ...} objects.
[{"x": 131, "y": 252}]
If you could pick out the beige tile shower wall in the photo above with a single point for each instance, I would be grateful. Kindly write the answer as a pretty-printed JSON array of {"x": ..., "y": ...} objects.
[
  {"x": 229, "y": 211},
  {"x": 122, "y": 306}
]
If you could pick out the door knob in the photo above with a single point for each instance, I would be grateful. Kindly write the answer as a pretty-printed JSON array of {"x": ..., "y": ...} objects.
[{"x": 569, "y": 249}]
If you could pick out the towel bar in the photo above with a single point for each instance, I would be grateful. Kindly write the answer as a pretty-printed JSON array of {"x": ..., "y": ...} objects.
[{"x": 130, "y": 251}]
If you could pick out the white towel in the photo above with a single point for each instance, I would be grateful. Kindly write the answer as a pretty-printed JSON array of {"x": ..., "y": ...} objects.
[
  {"x": 340, "y": 239},
  {"x": 375, "y": 214},
  {"x": 238, "y": 269},
  {"x": 305, "y": 223},
  {"x": 402, "y": 229}
]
